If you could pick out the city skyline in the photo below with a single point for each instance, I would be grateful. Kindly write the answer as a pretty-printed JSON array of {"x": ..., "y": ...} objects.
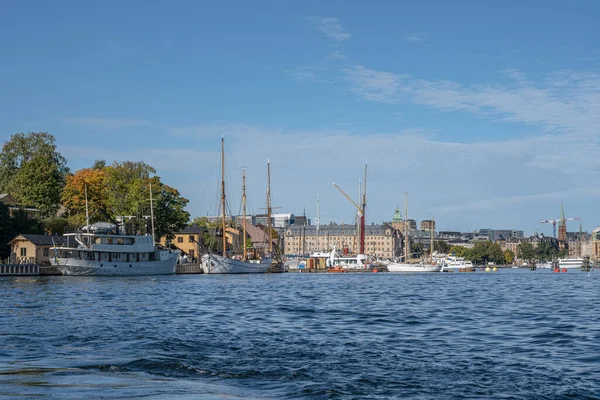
[{"x": 485, "y": 114}]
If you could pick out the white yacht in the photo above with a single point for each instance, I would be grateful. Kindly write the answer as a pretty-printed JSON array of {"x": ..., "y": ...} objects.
[
  {"x": 406, "y": 267},
  {"x": 100, "y": 249},
  {"x": 359, "y": 261},
  {"x": 452, "y": 263},
  {"x": 217, "y": 264},
  {"x": 570, "y": 263}
]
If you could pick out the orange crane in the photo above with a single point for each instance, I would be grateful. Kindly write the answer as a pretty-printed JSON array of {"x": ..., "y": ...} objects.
[{"x": 554, "y": 221}]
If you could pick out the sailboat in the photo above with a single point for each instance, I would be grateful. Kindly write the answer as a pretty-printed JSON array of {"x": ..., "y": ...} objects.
[
  {"x": 406, "y": 266},
  {"x": 221, "y": 264}
]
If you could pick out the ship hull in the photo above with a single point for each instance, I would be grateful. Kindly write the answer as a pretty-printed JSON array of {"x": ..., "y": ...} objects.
[
  {"x": 214, "y": 264},
  {"x": 78, "y": 267},
  {"x": 401, "y": 267}
]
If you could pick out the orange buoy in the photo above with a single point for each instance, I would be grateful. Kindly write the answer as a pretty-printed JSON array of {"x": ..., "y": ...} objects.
[
  {"x": 557, "y": 270},
  {"x": 564, "y": 270},
  {"x": 375, "y": 270}
]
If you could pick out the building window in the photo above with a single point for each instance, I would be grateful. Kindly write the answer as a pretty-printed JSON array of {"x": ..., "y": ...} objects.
[
  {"x": 192, "y": 239},
  {"x": 46, "y": 252},
  {"x": 192, "y": 253},
  {"x": 180, "y": 239},
  {"x": 23, "y": 251}
]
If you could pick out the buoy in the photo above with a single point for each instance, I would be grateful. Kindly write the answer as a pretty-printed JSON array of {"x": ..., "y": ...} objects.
[
  {"x": 375, "y": 270},
  {"x": 556, "y": 270},
  {"x": 564, "y": 270},
  {"x": 495, "y": 269},
  {"x": 487, "y": 269}
]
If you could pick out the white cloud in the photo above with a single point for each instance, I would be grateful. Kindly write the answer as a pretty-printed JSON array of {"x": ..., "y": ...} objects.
[
  {"x": 331, "y": 27},
  {"x": 566, "y": 102},
  {"x": 416, "y": 37},
  {"x": 106, "y": 123}
]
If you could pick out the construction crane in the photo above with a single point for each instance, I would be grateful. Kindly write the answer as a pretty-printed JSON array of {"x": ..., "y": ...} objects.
[
  {"x": 554, "y": 221},
  {"x": 361, "y": 215}
]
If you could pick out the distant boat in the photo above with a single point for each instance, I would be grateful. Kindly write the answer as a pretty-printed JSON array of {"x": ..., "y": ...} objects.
[
  {"x": 570, "y": 263},
  {"x": 405, "y": 267},
  {"x": 452, "y": 263},
  {"x": 359, "y": 261},
  {"x": 222, "y": 264}
]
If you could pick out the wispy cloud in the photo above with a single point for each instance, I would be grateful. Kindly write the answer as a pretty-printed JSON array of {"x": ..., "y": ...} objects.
[
  {"x": 106, "y": 123},
  {"x": 331, "y": 27},
  {"x": 569, "y": 101},
  {"x": 416, "y": 37}
]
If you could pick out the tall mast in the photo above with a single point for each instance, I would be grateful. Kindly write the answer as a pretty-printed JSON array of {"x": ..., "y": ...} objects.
[
  {"x": 152, "y": 214},
  {"x": 244, "y": 202},
  {"x": 406, "y": 240},
  {"x": 269, "y": 208},
  {"x": 431, "y": 245},
  {"x": 318, "y": 222},
  {"x": 304, "y": 234},
  {"x": 362, "y": 217},
  {"x": 87, "y": 214},
  {"x": 223, "y": 194}
]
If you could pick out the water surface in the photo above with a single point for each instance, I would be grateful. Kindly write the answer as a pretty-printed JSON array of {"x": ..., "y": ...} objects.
[{"x": 510, "y": 334}]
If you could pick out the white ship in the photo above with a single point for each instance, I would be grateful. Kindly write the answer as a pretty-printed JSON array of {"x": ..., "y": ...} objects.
[
  {"x": 101, "y": 250},
  {"x": 452, "y": 263},
  {"x": 359, "y": 261},
  {"x": 222, "y": 264},
  {"x": 406, "y": 267},
  {"x": 216, "y": 264},
  {"x": 570, "y": 263}
]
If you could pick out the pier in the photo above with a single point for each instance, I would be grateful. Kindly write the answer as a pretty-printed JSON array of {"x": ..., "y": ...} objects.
[{"x": 19, "y": 270}]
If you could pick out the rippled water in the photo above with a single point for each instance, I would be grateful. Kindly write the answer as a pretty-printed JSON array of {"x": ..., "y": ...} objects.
[{"x": 510, "y": 334}]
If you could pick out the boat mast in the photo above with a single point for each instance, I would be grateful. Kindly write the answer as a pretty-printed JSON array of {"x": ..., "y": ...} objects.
[
  {"x": 431, "y": 245},
  {"x": 318, "y": 222},
  {"x": 152, "y": 215},
  {"x": 244, "y": 202},
  {"x": 223, "y": 194},
  {"x": 269, "y": 224},
  {"x": 362, "y": 217},
  {"x": 406, "y": 244}
]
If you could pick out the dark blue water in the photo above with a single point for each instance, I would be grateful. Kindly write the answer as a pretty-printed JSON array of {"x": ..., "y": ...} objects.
[{"x": 510, "y": 334}]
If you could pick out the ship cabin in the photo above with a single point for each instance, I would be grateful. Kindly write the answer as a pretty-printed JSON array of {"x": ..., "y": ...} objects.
[{"x": 108, "y": 247}]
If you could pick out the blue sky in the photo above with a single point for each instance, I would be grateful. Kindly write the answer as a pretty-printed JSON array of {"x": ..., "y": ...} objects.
[{"x": 486, "y": 113}]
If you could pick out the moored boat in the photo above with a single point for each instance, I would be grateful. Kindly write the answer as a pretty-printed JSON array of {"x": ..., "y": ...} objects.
[{"x": 101, "y": 249}]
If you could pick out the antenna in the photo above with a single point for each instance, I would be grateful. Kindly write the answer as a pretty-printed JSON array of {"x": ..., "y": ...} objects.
[{"x": 152, "y": 215}]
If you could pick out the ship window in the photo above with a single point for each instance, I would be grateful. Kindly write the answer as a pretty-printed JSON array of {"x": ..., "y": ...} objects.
[
  {"x": 129, "y": 265},
  {"x": 101, "y": 265}
]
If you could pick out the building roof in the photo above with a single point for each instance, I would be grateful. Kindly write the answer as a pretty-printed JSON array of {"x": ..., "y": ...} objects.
[{"x": 40, "y": 240}]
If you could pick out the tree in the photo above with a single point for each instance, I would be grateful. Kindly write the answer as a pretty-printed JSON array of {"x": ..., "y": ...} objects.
[
  {"x": 479, "y": 253},
  {"x": 5, "y": 231},
  {"x": 494, "y": 253},
  {"x": 525, "y": 251},
  {"x": 32, "y": 171},
  {"x": 169, "y": 210},
  {"x": 55, "y": 225},
  {"x": 73, "y": 197},
  {"x": 458, "y": 251},
  {"x": 509, "y": 256},
  {"x": 441, "y": 246}
]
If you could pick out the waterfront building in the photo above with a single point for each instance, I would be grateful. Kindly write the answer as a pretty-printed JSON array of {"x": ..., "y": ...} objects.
[
  {"x": 427, "y": 225},
  {"x": 380, "y": 240},
  {"x": 13, "y": 206},
  {"x": 595, "y": 244},
  {"x": 33, "y": 249},
  {"x": 189, "y": 241},
  {"x": 498, "y": 234},
  {"x": 278, "y": 221}
]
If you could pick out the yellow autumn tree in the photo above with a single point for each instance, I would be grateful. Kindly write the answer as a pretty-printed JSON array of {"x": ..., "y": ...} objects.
[{"x": 73, "y": 196}]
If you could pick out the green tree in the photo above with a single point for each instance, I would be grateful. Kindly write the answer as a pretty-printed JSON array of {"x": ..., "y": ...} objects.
[
  {"x": 546, "y": 251},
  {"x": 494, "y": 253},
  {"x": 525, "y": 251},
  {"x": 509, "y": 256},
  {"x": 168, "y": 210},
  {"x": 5, "y": 231},
  {"x": 55, "y": 225},
  {"x": 458, "y": 251},
  {"x": 32, "y": 171},
  {"x": 441, "y": 246},
  {"x": 479, "y": 253}
]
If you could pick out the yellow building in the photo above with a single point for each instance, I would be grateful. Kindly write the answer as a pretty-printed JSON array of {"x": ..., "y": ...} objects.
[
  {"x": 33, "y": 249},
  {"x": 190, "y": 241},
  {"x": 380, "y": 240}
]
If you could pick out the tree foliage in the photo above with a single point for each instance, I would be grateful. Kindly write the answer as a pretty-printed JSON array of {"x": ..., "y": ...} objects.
[
  {"x": 32, "y": 171},
  {"x": 509, "y": 256},
  {"x": 458, "y": 251},
  {"x": 525, "y": 251},
  {"x": 441, "y": 246},
  {"x": 123, "y": 190},
  {"x": 11, "y": 226}
]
